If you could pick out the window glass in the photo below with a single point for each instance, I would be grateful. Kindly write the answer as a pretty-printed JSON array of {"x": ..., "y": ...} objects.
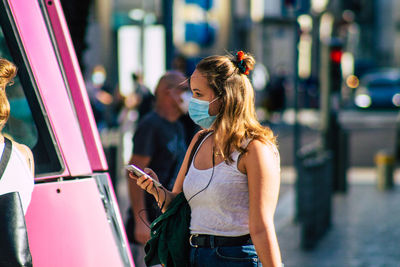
[
  {"x": 20, "y": 125},
  {"x": 26, "y": 124}
]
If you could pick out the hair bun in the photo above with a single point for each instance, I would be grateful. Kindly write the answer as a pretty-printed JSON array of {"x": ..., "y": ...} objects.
[{"x": 244, "y": 62}]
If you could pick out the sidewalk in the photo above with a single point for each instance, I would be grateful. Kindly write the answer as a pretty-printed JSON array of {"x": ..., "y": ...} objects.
[{"x": 365, "y": 226}]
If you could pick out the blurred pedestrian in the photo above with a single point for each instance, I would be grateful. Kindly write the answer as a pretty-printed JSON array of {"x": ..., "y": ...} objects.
[
  {"x": 145, "y": 98},
  {"x": 232, "y": 183},
  {"x": 158, "y": 143},
  {"x": 100, "y": 96},
  {"x": 275, "y": 101},
  {"x": 19, "y": 172}
]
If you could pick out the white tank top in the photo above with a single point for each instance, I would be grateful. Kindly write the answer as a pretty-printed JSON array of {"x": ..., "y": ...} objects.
[
  {"x": 223, "y": 208},
  {"x": 17, "y": 177}
]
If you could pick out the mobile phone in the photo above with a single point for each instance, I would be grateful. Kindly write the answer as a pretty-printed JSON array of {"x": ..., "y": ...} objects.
[{"x": 138, "y": 172}]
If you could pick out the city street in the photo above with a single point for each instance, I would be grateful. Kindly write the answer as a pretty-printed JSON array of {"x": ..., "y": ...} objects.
[
  {"x": 364, "y": 231},
  {"x": 368, "y": 133}
]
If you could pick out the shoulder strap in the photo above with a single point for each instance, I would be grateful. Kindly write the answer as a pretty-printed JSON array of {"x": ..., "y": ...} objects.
[
  {"x": 202, "y": 135},
  {"x": 5, "y": 157}
]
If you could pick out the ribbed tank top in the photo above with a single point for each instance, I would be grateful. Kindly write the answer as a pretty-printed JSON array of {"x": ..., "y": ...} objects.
[
  {"x": 223, "y": 208},
  {"x": 17, "y": 177}
]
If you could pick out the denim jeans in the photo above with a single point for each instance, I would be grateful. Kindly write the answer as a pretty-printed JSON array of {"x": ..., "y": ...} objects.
[{"x": 240, "y": 256}]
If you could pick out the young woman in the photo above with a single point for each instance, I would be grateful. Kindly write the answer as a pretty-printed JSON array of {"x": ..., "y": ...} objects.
[
  {"x": 232, "y": 183},
  {"x": 19, "y": 173}
]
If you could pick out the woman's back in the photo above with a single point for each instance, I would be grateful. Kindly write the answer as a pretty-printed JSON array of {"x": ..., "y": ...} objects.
[{"x": 17, "y": 176}]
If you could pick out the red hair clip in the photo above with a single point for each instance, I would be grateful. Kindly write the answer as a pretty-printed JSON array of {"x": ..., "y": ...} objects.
[
  {"x": 240, "y": 55},
  {"x": 240, "y": 63}
]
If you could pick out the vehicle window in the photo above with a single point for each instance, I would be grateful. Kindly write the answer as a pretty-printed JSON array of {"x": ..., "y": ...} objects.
[
  {"x": 384, "y": 84},
  {"x": 381, "y": 82},
  {"x": 27, "y": 124}
]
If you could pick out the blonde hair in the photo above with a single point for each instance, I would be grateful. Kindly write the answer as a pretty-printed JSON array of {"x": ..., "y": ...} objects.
[
  {"x": 236, "y": 120},
  {"x": 7, "y": 73}
]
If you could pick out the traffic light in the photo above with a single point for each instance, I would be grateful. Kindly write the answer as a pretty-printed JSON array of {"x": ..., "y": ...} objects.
[{"x": 335, "y": 54}]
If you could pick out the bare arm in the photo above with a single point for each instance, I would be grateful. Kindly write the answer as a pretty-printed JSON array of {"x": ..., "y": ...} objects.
[
  {"x": 263, "y": 171},
  {"x": 136, "y": 195}
]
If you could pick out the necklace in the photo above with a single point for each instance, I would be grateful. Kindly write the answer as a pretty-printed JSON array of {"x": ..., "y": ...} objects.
[{"x": 217, "y": 153}]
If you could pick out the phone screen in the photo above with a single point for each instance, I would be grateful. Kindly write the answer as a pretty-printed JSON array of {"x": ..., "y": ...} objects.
[{"x": 138, "y": 173}]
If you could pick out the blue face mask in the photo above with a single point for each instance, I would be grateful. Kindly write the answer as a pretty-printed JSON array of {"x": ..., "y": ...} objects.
[{"x": 198, "y": 112}]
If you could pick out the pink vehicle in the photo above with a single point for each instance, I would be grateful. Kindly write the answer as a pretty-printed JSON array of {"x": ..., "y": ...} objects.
[{"x": 73, "y": 219}]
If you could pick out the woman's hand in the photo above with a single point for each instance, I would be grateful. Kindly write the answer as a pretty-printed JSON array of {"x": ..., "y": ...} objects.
[{"x": 146, "y": 183}]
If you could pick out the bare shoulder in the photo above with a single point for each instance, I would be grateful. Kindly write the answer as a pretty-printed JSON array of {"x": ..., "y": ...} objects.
[
  {"x": 262, "y": 160},
  {"x": 262, "y": 153},
  {"x": 201, "y": 133},
  {"x": 257, "y": 147},
  {"x": 197, "y": 136}
]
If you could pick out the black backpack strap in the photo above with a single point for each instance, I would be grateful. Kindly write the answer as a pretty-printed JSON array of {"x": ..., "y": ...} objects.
[
  {"x": 5, "y": 157},
  {"x": 202, "y": 135}
]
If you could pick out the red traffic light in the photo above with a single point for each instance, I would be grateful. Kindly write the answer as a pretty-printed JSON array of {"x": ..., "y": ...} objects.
[{"x": 336, "y": 55}]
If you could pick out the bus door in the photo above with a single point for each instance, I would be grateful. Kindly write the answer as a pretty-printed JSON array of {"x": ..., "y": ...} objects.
[{"x": 73, "y": 218}]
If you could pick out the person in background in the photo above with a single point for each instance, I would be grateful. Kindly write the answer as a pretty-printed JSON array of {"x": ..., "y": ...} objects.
[
  {"x": 158, "y": 143},
  {"x": 19, "y": 173},
  {"x": 275, "y": 101},
  {"x": 232, "y": 183},
  {"x": 100, "y": 99},
  {"x": 145, "y": 99}
]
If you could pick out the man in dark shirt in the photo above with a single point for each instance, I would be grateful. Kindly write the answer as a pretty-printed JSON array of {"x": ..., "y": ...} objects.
[{"x": 158, "y": 143}]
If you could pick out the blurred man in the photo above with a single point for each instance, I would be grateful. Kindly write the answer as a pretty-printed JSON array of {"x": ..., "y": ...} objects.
[
  {"x": 145, "y": 97},
  {"x": 158, "y": 143}
]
